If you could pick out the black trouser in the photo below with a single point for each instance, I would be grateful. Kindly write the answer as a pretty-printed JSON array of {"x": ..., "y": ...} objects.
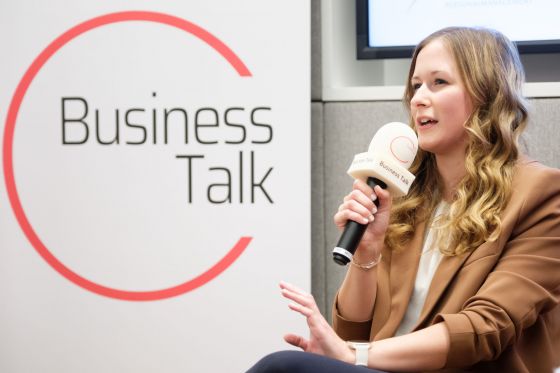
[{"x": 304, "y": 362}]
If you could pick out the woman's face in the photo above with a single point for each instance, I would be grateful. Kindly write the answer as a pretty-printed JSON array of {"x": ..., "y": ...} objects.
[{"x": 441, "y": 104}]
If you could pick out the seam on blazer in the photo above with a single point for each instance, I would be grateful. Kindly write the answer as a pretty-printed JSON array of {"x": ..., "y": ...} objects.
[{"x": 477, "y": 260}]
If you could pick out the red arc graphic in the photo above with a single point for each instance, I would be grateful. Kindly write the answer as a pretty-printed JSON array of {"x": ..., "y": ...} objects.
[{"x": 13, "y": 195}]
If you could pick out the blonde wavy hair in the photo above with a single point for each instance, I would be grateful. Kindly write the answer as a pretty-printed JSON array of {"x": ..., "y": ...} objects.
[{"x": 490, "y": 68}]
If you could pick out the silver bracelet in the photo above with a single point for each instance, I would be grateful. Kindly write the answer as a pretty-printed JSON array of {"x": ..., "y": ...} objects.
[{"x": 367, "y": 266}]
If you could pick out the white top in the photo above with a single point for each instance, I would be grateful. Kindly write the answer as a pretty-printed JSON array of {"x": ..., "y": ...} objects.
[{"x": 429, "y": 261}]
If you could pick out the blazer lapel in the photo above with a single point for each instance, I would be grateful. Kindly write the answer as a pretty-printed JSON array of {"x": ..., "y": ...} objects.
[
  {"x": 404, "y": 265},
  {"x": 445, "y": 272}
]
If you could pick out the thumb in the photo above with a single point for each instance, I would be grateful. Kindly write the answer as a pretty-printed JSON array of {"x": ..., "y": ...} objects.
[
  {"x": 296, "y": 340},
  {"x": 385, "y": 200}
]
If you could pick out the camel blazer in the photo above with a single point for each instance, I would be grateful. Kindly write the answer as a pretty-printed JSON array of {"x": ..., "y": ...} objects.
[{"x": 500, "y": 301}]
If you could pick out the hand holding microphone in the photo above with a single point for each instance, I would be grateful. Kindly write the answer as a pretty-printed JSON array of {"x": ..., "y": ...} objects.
[{"x": 386, "y": 164}]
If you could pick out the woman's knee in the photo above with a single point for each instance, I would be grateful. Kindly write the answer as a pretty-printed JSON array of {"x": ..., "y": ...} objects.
[{"x": 279, "y": 362}]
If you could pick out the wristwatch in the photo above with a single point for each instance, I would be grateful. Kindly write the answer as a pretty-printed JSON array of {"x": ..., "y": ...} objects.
[{"x": 362, "y": 349}]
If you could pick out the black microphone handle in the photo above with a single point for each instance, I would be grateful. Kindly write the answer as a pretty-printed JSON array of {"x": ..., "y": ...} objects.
[{"x": 353, "y": 232}]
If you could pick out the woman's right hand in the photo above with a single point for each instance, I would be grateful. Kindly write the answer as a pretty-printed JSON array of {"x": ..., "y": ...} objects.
[{"x": 358, "y": 206}]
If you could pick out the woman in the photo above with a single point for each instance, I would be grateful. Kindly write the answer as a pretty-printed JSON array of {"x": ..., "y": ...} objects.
[{"x": 464, "y": 271}]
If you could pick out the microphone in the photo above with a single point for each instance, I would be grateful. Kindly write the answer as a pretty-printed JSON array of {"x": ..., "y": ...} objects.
[{"x": 386, "y": 164}]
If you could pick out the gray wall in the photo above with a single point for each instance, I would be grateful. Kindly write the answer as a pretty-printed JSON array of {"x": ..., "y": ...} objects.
[{"x": 341, "y": 129}]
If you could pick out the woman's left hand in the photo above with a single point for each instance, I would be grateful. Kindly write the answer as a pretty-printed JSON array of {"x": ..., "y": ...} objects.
[{"x": 322, "y": 338}]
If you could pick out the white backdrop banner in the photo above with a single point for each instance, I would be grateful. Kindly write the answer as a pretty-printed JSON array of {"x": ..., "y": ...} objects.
[{"x": 156, "y": 183}]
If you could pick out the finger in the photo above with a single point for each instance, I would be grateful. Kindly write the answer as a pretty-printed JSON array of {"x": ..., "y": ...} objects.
[
  {"x": 304, "y": 300},
  {"x": 297, "y": 295},
  {"x": 362, "y": 186},
  {"x": 364, "y": 210},
  {"x": 385, "y": 200},
  {"x": 362, "y": 198},
  {"x": 296, "y": 340},
  {"x": 287, "y": 285},
  {"x": 341, "y": 218},
  {"x": 314, "y": 318},
  {"x": 305, "y": 311}
]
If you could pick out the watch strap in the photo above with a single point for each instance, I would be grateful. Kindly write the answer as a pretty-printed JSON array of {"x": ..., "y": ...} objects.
[{"x": 362, "y": 352}]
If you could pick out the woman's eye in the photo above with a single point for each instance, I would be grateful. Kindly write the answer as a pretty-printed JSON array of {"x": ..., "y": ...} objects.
[
  {"x": 416, "y": 86},
  {"x": 439, "y": 81}
]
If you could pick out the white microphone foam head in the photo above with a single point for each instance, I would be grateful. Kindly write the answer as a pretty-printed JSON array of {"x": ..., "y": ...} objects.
[{"x": 397, "y": 140}]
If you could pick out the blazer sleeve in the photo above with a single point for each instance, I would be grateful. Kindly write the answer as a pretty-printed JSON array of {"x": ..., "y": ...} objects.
[
  {"x": 349, "y": 330},
  {"x": 524, "y": 283}
]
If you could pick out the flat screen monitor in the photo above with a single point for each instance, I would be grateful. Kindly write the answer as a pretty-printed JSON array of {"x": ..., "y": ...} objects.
[{"x": 391, "y": 28}]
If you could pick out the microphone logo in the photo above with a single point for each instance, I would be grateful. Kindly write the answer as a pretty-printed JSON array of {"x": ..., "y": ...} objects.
[{"x": 403, "y": 150}]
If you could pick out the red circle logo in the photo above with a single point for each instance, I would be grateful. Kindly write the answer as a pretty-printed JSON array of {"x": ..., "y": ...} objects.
[
  {"x": 13, "y": 195},
  {"x": 403, "y": 149}
]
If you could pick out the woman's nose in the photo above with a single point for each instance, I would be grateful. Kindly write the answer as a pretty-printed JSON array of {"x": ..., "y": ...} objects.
[{"x": 421, "y": 97}]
